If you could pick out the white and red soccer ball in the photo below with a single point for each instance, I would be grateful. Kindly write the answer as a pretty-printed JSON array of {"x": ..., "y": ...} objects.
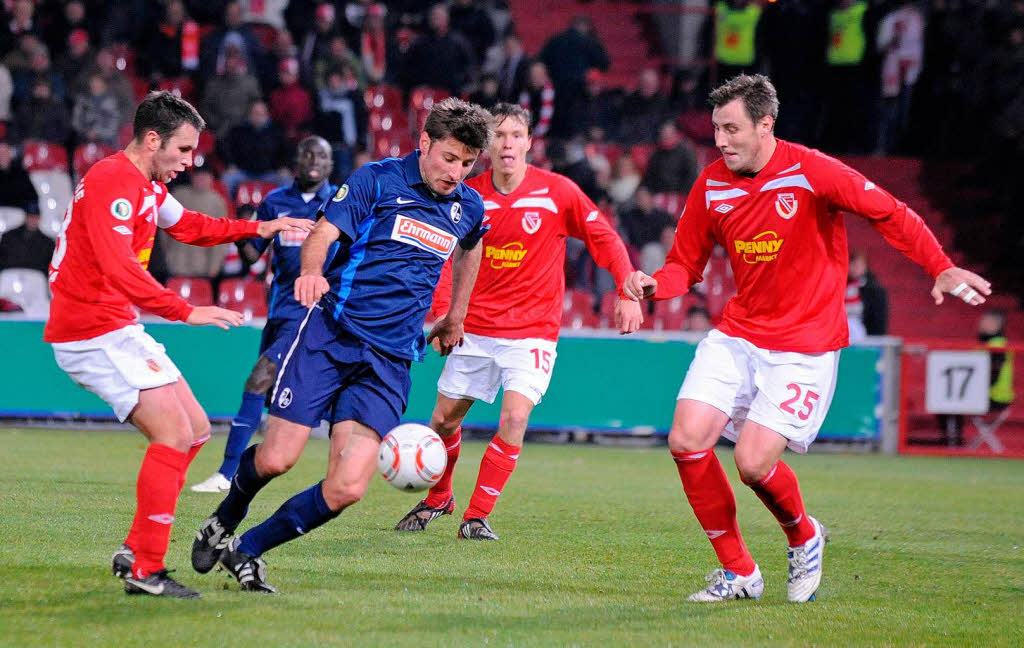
[{"x": 412, "y": 457}]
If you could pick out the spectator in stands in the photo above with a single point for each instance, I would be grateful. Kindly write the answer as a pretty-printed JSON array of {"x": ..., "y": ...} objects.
[
  {"x": 539, "y": 98},
  {"x": 39, "y": 67},
  {"x": 570, "y": 159},
  {"x": 19, "y": 59},
  {"x": 514, "y": 69},
  {"x": 117, "y": 82},
  {"x": 163, "y": 48},
  {"x": 673, "y": 166},
  {"x": 373, "y": 43},
  {"x": 652, "y": 255},
  {"x": 22, "y": 22},
  {"x": 42, "y": 116},
  {"x": 189, "y": 260},
  {"x": 625, "y": 180},
  {"x": 26, "y": 246},
  {"x": 474, "y": 24},
  {"x": 599, "y": 109},
  {"x": 6, "y": 93},
  {"x": 901, "y": 41},
  {"x": 644, "y": 110},
  {"x": 291, "y": 105},
  {"x": 736, "y": 24},
  {"x": 234, "y": 37},
  {"x": 255, "y": 150},
  {"x": 265, "y": 12},
  {"x": 644, "y": 221},
  {"x": 77, "y": 58},
  {"x": 338, "y": 54},
  {"x": 16, "y": 189},
  {"x": 342, "y": 110},
  {"x": 95, "y": 117},
  {"x": 315, "y": 43},
  {"x": 568, "y": 56},
  {"x": 698, "y": 319},
  {"x": 228, "y": 95},
  {"x": 71, "y": 16},
  {"x": 486, "y": 94},
  {"x": 847, "y": 83},
  {"x": 867, "y": 304},
  {"x": 284, "y": 47},
  {"x": 440, "y": 58}
]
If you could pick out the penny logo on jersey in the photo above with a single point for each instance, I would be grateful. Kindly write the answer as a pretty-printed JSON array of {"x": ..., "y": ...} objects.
[
  {"x": 762, "y": 248},
  {"x": 786, "y": 205},
  {"x": 510, "y": 255},
  {"x": 426, "y": 237}
]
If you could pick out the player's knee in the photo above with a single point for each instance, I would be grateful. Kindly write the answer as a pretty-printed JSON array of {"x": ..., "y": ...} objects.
[
  {"x": 343, "y": 494},
  {"x": 445, "y": 425},
  {"x": 752, "y": 468},
  {"x": 684, "y": 437},
  {"x": 271, "y": 463},
  {"x": 200, "y": 429},
  {"x": 262, "y": 376},
  {"x": 515, "y": 420}
]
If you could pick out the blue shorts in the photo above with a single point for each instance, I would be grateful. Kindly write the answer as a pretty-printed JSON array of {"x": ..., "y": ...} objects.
[
  {"x": 277, "y": 338},
  {"x": 327, "y": 373}
]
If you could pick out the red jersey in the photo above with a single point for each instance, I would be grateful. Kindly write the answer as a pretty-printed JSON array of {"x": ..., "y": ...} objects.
[
  {"x": 98, "y": 269},
  {"x": 518, "y": 292},
  {"x": 784, "y": 233}
]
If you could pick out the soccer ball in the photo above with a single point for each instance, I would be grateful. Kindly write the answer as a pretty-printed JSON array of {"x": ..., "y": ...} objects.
[{"x": 412, "y": 457}]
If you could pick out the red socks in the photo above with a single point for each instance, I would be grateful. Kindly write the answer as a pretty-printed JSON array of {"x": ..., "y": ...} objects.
[
  {"x": 708, "y": 490},
  {"x": 442, "y": 490},
  {"x": 156, "y": 495},
  {"x": 495, "y": 468},
  {"x": 780, "y": 492}
]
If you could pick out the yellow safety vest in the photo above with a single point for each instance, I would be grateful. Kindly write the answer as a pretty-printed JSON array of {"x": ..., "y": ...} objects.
[
  {"x": 1002, "y": 389},
  {"x": 734, "y": 34},
  {"x": 847, "y": 40}
]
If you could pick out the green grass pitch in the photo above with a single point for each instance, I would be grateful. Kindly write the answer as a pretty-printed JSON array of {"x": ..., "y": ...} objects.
[{"x": 598, "y": 547}]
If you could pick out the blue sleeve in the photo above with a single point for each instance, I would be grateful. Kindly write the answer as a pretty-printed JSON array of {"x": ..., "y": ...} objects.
[
  {"x": 263, "y": 213},
  {"x": 353, "y": 202},
  {"x": 470, "y": 240}
]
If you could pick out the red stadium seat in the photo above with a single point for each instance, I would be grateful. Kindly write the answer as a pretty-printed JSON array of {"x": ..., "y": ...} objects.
[
  {"x": 205, "y": 151},
  {"x": 44, "y": 156},
  {"x": 388, "y": 122},
  {"x": 124, "y": 58},
  {"x": 89, "y": 154},
  {"x": 578, "y": 310},
  {"x": 641, "y": 153},
  {"x": 194, "y": 290},
  {"x": 252, "y": 192},
  {"x": 422, "y": 100},
  {"x": 180, "y": 86},
  {"x": 391, "y": 145},
  {"x": 609, "y": 151},
  {"x": 245, "y": 295},
  {"x": 140, "y": 88},
  {"x": 383, "y": 97},
  {"x": 670, "y": 201},
  {"x": 670, "y": 314}
]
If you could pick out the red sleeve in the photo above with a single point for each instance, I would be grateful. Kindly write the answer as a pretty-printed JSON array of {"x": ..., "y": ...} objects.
[
  {"x": 898, "y": 223},
  {"x": 693, "y": 244},
  {"x": 111, "y": 240},
  {"x": 584, "y": 221},
  {"x": 194, "y": 228},
  {"x": 443, "y": 292}
]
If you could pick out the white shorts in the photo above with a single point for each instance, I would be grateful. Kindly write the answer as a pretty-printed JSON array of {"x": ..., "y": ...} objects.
[
  {"x": 482, "y": 365},
  {"x": 786, "y": 392},
  {"x": 117, "y": 365}
]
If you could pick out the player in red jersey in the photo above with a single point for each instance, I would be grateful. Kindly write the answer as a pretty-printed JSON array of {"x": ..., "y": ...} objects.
[
  {"x": 97, "y": 274},
  {"x": 515, "y": 313},
  {"x": 765, "y": 377}
]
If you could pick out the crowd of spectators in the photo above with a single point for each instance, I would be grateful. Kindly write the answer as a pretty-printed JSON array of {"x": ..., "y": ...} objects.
[{"x": 854, "y": 76}]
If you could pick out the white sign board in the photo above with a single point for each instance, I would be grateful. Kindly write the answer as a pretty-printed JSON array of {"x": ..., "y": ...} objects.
[{"x": 957, "y": 382}]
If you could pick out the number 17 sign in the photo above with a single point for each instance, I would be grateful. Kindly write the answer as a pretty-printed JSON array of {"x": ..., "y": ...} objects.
[{"x": 957, "y": 382}]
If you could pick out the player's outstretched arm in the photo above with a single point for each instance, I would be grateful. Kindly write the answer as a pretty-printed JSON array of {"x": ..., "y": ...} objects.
[
  {"x": 269, "y": 229},
  {"x": 963, "y": 284},
  {"x": 311, "y": 284},
  {"x": 448, "y": 330},
  {"x": 215, "y": 315}
]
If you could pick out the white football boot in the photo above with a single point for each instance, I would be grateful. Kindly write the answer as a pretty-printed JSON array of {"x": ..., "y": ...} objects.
[
  {"x": 805, "y": 564},
  {"x": 723, "y": 585},
  {"x": 215, "y": 483}
]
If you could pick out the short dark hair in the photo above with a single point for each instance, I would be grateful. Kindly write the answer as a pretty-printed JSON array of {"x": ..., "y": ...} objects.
[
  {"x": 503, "y": 111},
  {"x": 756, "y": 91},
  {"x": 466, "y": 122},
  {"x": 164, "y": 112}
]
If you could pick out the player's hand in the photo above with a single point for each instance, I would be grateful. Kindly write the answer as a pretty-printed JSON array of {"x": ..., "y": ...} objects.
[
  {"x": 220, "y": 317},
  {"x": 269, "y": 229},
  {"x": 445, "y": 335},
  {"x": 310, "y": 288},
  {"x": 639, "y": 285},
  {"x": 628, "y": 316},
  {"x": 963, "y": 284}
]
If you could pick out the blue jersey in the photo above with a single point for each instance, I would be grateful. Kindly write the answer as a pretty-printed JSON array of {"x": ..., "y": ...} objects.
[
  {"x": 396, "y": 236},
  {"x": 286, "y": 263}
]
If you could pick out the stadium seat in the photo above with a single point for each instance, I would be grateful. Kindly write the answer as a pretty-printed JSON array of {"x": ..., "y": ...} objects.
[
  {"x": 670, "y": 201},
  {"x": 422, "y": 100},
  {"x": 124, "y": 58},
  {"x": 608, "y": 150},
  {"x": 55, "y": 191},
  {"x": 26, "y": 288},
  {"x": 38, "y": 155},
  {"x": 391, "y": 146},
  {"x": 641, "y": 153},
  {"x": 180, "y": 86},
  {"x": 140, "y": 88},
  {"x": 245, "y": 295},
  {"x": 578, "y": 310},
  {"x": 10, "y": 217},
  {"x": 195, "y": 290},
  {"x": 670, "y": 314},
  {"x": 206, "y": 150},
  {"x": 252, "y": 192},
  {"x": 88, "y": 154}
]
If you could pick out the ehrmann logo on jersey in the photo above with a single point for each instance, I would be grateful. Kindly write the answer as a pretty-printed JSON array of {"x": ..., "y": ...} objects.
[
  {"x": 510, "y": 255},
  {"x": 762, "y": 248},
  {"x": 426, "y": 237}
]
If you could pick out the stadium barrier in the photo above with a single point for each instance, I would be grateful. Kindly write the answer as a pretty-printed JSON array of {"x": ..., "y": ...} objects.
[{"x": 602, "y": 382}]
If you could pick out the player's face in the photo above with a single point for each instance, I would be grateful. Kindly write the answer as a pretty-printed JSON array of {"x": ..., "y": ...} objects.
[
  {"x": 175, "y": 153},
  {"x": 509, "y": 146},
  {"x": 740, "y": 140},
  {"x": 313, "y": 161},
  {"x": 445, "y": 163}
]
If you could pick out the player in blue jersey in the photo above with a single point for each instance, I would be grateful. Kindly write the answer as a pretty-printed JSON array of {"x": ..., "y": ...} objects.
[
  {"x": 397, "y": 221},
  {"x": 303, "y": 199}
]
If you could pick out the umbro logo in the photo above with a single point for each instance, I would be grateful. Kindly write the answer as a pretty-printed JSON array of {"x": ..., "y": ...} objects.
[
  {"x": 162, "y": 518},
  {"x": 724, "y": 208},
  {"x": 868, "y": 185},
  {"x": 592, "y": 216},
  {"x": 713, "y": 533},
  {"x": 403, "y": 201},
  {"x": 494, "y": 492}
]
